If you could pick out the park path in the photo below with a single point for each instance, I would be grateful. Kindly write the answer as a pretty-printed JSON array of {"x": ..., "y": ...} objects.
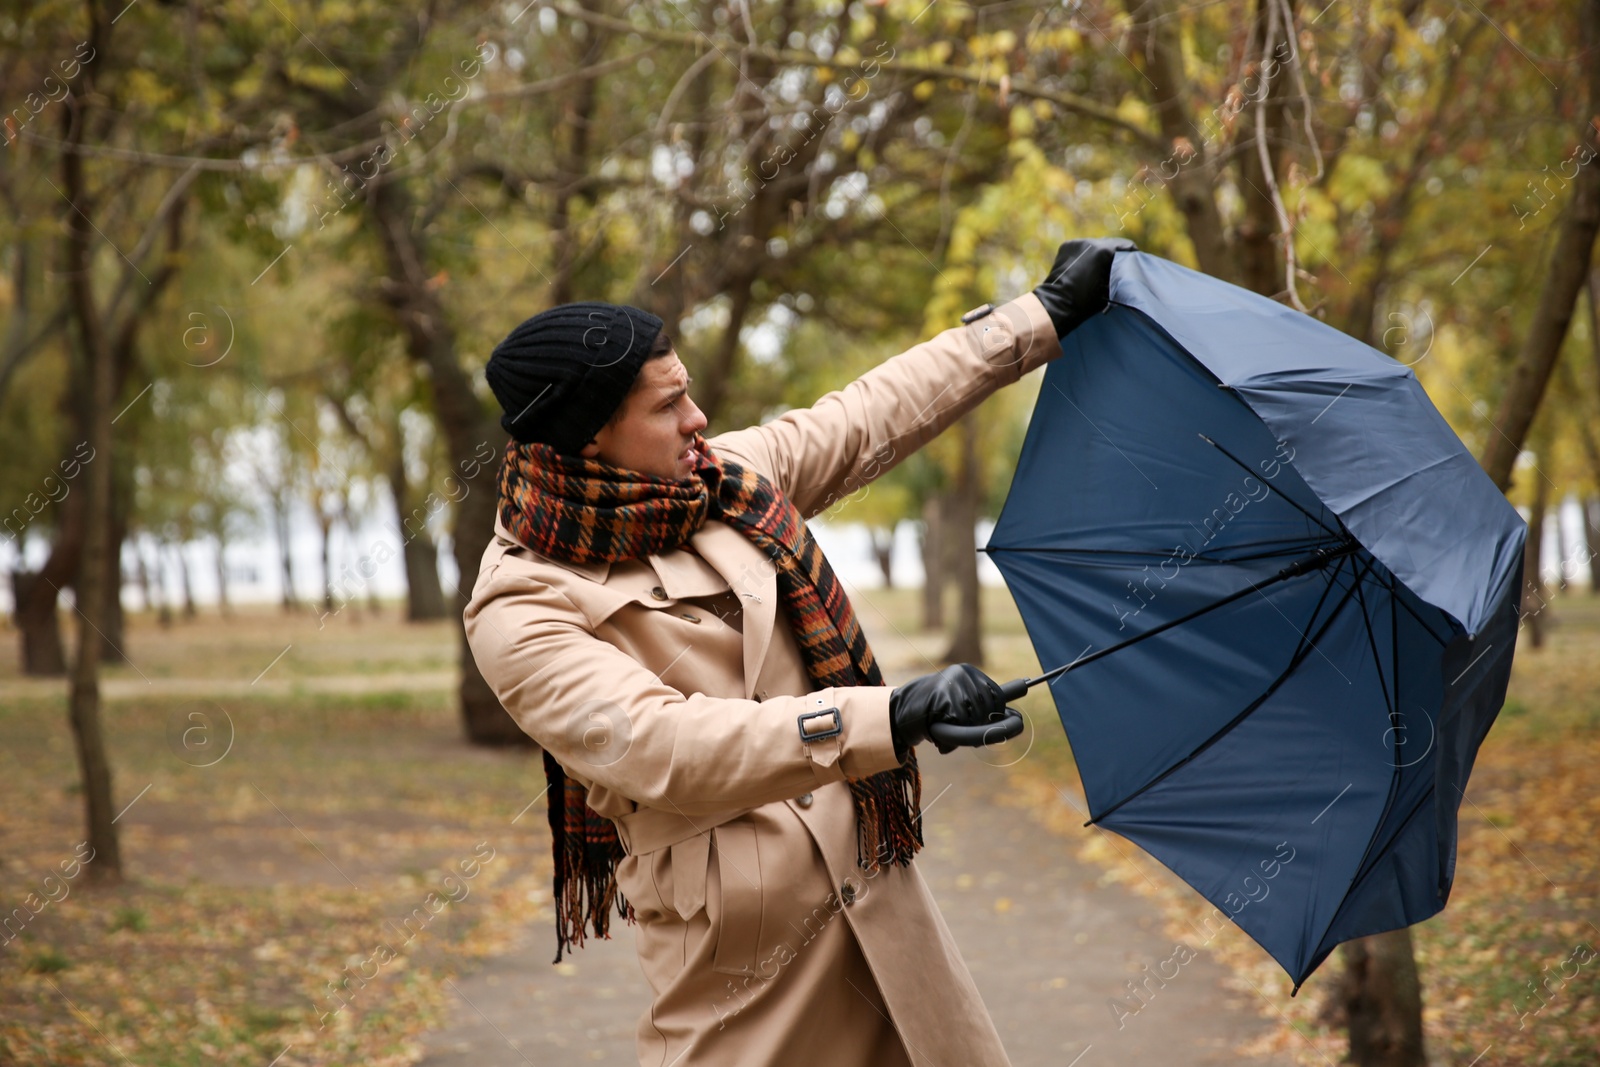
[{"x": 1047, "y": 944}]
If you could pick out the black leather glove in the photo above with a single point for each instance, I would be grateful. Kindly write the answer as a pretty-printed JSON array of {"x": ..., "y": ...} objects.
[
  {"x": 959, "y": 695},
  {"x": 1079, "y": 284}
]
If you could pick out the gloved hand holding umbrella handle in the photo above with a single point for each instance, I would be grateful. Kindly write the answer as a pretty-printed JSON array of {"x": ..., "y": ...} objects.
[
  {"x": 959, "y": 706},
  {"x": 1078, "y": 286},
  {"x": 946, "y": 737}
]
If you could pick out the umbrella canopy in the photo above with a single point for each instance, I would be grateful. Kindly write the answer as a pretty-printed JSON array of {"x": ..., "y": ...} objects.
[{"x": 1287, "y": 596}]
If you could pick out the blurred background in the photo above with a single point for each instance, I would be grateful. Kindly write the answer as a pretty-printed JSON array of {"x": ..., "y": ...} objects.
[{"x": 253, "y": 257}]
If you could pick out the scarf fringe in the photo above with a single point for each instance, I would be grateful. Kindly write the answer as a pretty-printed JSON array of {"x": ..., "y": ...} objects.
[
  {"x": 585, "y": 884},
  {"x": 888, "y": 816}
]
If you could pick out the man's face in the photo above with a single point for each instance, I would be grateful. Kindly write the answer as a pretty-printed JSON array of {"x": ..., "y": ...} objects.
[{"x": 655, "y": 427}]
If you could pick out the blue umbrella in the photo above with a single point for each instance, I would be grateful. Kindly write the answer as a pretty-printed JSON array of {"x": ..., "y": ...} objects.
[{"x": 1284, "y": 597}]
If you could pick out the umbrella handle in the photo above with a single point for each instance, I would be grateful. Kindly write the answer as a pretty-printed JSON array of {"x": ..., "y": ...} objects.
[
  {"x": 946, "y": 736},
  {"x": 1016, "y": 689}
]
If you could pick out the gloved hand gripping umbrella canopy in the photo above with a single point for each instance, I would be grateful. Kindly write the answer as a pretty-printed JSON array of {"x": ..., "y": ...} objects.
[{"x": 1284, "y": 598}]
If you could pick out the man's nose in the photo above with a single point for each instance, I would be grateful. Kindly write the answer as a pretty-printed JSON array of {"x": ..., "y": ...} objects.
[{"x": 694, "y": 419}]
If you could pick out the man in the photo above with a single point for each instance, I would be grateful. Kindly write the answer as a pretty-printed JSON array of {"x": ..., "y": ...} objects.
[{"x": 725, "y": 765}]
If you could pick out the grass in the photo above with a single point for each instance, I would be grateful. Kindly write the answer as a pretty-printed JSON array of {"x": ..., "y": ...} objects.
[
  {"x": 281, "y": 845},
  {"x": 48, "y": 961},
  {"x": 264, "y": 863}
]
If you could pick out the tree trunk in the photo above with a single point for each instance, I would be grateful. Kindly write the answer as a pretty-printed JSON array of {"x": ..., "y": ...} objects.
[
  {"x": 1591, "y": 535},
  {"x": 85, "y": 695},
  {"x": 189, "y": 609},
  {"x": 1382, "y": 999},
  {"x": 1533, "y": 599},
  {"x": 424, "y": 595},
  {"x": 146, "y": 592},
  {"x": 1155, "y": 42},
  {"x": 485, "y": 720},
  {"x": 280, "y": 526},
  {"x": 325, "y": 530},
  {"x": 883, "y": 552},
  {"x": 38, "y": 624},
  {"x": 38, "y": 593},
  {"x": 164, "y": 615},
  {"x": 113, "y": 623},
  {"x": 96, "y": 386},
  {"x": 222, "y": 577},
  {"x": 966, "y": 644},
  {"x": 1586, "y": 434},
  {"x": 153, "y": 580},
  {"x": 473, "y": 439},
  {"x": 571, "y": 151},
  {"x": 1563, "y": 550},
  {"x": 713, "y": 394},
  {"x": 1262, "y": 236},
  {"x": 1567, "y": 273},
  {"x": 934, "y": 574}
]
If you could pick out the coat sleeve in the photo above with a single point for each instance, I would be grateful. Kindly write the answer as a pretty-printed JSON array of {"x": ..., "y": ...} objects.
[
  {"x": 608, "y": 721},
  {"x": 821, "y": 454}
]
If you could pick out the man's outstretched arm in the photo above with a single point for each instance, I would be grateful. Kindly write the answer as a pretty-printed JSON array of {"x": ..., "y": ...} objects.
[{"x": 821, "y": 454}]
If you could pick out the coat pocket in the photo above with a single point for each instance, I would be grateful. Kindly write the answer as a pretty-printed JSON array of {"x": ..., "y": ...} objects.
[{"x": 738, "y": 899}]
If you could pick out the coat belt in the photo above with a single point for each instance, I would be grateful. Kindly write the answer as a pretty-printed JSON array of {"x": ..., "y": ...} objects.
[{"x": 649, "y": 829}]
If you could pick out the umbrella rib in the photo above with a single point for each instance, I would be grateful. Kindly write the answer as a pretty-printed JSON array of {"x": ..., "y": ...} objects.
[
  {"x": 1395, "y": 588},
  {"x": 1302, "y": 651},
  {"x": 1304, "y": 646},
  {"x": 1392, "y": 706},
  {"x": 1394, "y": 668},
  {"x": 1283, "y": 548},
  {"x": 1377, "y": 660},
  {"x": 1320, "y": 558},
  {"x": 1363, "y": 869},
  {"x": 1394, "y": 649},
  {"x": 1287, "y": 498}
]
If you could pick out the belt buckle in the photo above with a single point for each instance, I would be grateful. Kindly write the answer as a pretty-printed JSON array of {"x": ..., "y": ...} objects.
[{"x": 835, "y": 730}]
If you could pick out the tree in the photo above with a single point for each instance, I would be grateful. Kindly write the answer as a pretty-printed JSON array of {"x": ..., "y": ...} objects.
[{"x": 1566, "y": 274}]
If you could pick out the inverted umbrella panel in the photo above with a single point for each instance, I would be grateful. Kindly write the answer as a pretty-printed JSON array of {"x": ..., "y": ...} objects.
[{"x": 1254, "y": 693}]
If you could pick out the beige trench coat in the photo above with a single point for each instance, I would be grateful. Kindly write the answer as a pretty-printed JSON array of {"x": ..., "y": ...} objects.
[{"x": 763, "y": 941}]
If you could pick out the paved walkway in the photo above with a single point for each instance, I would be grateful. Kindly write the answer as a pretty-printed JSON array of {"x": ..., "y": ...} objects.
[{"x": 1048, "y": 946}]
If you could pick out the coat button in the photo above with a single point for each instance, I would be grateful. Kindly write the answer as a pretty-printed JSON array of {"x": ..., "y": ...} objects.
[
  {"x": 659, "y": 593},
  {"x": 847, "y": 893},
  {"x": 690, "y": 617},
  {"x": 804, "y": 800}
]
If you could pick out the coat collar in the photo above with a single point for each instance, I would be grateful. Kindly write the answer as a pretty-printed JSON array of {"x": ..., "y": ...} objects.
[
  {"x": 680, "y": 574},
  {"x": 595, "y": 572},
  {"x": 723, "y": 559}
]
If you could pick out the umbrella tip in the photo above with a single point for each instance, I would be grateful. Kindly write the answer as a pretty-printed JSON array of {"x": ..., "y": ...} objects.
[{"x": 1208, "y": 440}]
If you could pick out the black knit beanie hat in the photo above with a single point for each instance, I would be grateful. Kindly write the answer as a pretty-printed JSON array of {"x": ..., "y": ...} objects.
[{"x": 563, "y": 373}]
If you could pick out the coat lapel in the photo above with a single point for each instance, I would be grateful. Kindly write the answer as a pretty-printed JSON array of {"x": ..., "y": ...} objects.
[{"x": 754, "y": 579}]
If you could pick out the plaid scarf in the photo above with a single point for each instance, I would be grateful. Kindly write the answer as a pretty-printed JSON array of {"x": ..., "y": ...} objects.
[{"x": 585, "y": 510}]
